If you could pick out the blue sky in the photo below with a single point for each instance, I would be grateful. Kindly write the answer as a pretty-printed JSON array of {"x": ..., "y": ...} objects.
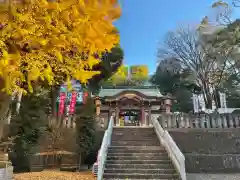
[{"x": 144, "y": 23}]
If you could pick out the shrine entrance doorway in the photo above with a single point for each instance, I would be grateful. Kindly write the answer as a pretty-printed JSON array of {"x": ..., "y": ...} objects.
[
  {"x": 130, "y": 106},
  {"x": 129, "y": 118}
]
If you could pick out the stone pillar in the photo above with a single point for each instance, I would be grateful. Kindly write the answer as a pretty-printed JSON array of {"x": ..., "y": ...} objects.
[
  {"x": 146, "y": 118},
  {"x": 74, "y": 122},
  {"x": 168, "y": 105},
  {"x": 117, "y": 116},
  {"x": 150, "y": 116},
  {"x": 98, "y": 106},
  {"x": 142, "y": 121}
]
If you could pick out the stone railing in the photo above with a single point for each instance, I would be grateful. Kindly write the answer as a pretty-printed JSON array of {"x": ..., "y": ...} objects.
[
  {"x": 104, "y": 148},
  {"x": 200, "y": 121},
  {"x": 174, "y": 152},
  {"x": 6, "y": 168},
  {"x": 6, "y": 173}
]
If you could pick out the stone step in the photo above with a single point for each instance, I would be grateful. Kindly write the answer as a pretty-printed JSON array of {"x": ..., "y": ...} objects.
[
  {"x": 133, "y": 130},
  {"x": 145, "y": 157},
  {"x": 137, "y": 147},
  {"x": 140, "y": 175},
  {"x": 135, "y": 136},
  {"x": 117, "y": 161},
  {"x": 136, "y": 153},
  {"x": 153, "y": 154},
  {"x": 133, "y": 127},
  {"x": 132, "y": 151},
  {"x": 136, "y": 150},
  {"x": 136, "y": 179},
  {"x": 135, "y": 133},
  {"x": 135, "y": 143},
  {"x": 138, "y": 138},
  {"x": 141, "y": 171},
  {"x": 138, "y": 166}
]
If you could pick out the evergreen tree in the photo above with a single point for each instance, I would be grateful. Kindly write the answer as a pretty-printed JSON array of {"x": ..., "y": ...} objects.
[
  {"x": 27, "y": 127},
  {"x": 86, "y": 128}
]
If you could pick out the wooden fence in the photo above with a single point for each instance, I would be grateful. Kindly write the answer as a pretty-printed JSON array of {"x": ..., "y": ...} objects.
[
  {"x": 200, "y": 121},
  {"x": 40, "y": 162}
]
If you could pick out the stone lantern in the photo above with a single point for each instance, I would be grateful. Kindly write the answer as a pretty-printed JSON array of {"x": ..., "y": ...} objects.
[
  {"x": 98, "y": 105},
  {"x": 168, "y": 105}
]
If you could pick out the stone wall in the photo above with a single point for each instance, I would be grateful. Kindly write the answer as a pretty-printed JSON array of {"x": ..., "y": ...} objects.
[{"x": 209, "y": 150}]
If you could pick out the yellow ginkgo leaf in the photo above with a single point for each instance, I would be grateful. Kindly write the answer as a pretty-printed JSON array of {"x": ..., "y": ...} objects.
[{"x": 46, "y": 40}]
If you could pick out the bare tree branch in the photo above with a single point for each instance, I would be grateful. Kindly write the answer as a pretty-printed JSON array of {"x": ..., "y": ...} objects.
[
  {"x": 191, "y": 48},
  {"x": 236, "y": 3}
]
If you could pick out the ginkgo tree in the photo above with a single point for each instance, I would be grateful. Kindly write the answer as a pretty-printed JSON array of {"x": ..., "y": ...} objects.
[
  {"x": 54, "y": 41},
  {"x": 129, "y": 76},
  {"x": 120, "y": 77}
]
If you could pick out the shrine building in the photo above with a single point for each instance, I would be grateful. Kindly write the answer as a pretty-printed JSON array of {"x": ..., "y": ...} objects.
[{"x": 131, "y": 106}]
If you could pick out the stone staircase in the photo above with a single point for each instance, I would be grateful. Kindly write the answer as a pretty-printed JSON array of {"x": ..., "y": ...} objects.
[{"x": 135, "y": 153}]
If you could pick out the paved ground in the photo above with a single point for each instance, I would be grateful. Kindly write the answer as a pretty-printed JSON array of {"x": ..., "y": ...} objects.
[{"x": 213, "y": 176}]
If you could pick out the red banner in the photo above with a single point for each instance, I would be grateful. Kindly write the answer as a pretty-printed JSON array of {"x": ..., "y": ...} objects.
[
  {"x": 73, "y": 102},
  {"x": 85, "y": 96},
  {"x": 62, "y": 103}
]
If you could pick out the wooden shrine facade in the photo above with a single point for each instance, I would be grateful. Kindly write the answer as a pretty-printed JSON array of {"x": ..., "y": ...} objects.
[{"x": 144, "y": 102}]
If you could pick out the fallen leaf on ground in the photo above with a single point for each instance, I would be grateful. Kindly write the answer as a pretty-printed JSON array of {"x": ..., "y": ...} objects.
[{"x": 55, "y": 175}]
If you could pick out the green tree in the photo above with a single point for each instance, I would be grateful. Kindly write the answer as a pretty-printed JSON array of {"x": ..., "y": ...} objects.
[
  {"x": 232, "y": 89},
  {"x": 226, "y": 35},
  {"x": 225, "y": 41},
  {"x": 170, "y": 79},
  {"x": 27, "y": 127},
  {"x": 110, "y": 63},
  {"x": 86, "y": 129}
]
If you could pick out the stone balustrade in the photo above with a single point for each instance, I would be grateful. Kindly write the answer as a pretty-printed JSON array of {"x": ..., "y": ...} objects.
[
  {"x": 6, "y": 173},
  {"x": 6, "y": 168},
  {"x": 174, "y": 152},
  {"x": 199, "y": 121}
]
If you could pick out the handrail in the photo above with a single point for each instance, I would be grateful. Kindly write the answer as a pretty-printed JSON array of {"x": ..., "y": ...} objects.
[
  {"x": 174, "y": 152},
  {"x": 8, "y": 164},
  {"x": 103, "y": 150}
]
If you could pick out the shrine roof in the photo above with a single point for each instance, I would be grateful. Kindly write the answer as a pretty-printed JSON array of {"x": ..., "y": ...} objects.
[{"x": 146, "y": 90}]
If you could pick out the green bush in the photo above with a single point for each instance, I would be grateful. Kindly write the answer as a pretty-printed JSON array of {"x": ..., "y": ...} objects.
[{"x": 86, "y": 129}]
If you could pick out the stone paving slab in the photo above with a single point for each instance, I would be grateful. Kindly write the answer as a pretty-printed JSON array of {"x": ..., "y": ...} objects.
[{"x": 213, "y": 176}]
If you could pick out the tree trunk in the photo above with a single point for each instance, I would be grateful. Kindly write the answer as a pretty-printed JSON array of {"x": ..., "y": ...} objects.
[
  {"x": 79, "y": 161},
  {"x": 216, "y": 98},
  {"x": 1, "y": 130},
  {"x": 207, "y": 95},
  {"x": 208, "y": 100},
  {"x": 54, "y": 95},
  {"x": 19, "y": 99}
]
